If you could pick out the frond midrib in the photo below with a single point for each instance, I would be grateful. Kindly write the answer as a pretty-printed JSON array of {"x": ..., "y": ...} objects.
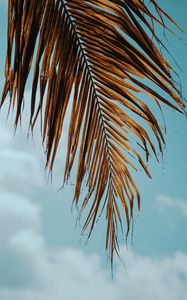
[{"x": 93, "y": 86}]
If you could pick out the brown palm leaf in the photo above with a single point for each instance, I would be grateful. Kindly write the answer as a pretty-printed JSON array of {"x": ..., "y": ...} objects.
[{"x": 107, "y": 54}]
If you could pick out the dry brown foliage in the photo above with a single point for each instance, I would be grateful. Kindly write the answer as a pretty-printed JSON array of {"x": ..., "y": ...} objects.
[{"x": 107, "y": 54}]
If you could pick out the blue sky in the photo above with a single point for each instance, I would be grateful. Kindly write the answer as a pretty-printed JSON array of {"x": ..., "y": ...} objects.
[{"x": 41, "y": 253}]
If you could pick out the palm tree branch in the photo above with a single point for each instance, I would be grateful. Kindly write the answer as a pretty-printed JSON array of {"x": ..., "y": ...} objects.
[{"x": 101, "y": 52}]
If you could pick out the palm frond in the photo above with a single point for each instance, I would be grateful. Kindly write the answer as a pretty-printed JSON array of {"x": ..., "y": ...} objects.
[{"x": 107, "y": 54}]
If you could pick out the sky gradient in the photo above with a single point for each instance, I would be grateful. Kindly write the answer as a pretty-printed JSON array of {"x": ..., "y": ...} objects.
[{"x": 41, "y": 253}]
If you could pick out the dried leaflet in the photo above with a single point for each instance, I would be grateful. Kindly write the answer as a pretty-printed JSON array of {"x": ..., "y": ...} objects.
[{"x": 102, "y": 50}]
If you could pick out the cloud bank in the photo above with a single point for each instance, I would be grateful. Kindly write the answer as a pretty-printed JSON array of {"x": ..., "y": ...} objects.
[
  {"x": 43, "y": 273},
  {"x": 32, "y": 270},
  {"x": 166, "y": 202}
]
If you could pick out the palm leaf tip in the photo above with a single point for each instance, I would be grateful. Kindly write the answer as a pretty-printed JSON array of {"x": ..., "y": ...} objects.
[{"x": 101, "y": 51}]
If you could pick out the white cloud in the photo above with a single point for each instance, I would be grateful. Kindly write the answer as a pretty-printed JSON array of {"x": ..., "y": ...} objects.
[
  {"x": 155, "y": 278},
  {"x": 17, "y": 213},
  {"x": 20, "y": 170},
  {"x": 67, "y": 273},
  {"x": 53, "y": 273},
  {"x": 165, "y": 202},
  {"x": 5, "y": 139},
  {"x": 35, "y": 271},
  {"x": 18, "y": 148},
  {"x": 32, "y": 270}
]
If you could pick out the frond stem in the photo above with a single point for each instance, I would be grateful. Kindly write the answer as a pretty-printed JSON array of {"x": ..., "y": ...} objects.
[{"x": 93, "y": 86}]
